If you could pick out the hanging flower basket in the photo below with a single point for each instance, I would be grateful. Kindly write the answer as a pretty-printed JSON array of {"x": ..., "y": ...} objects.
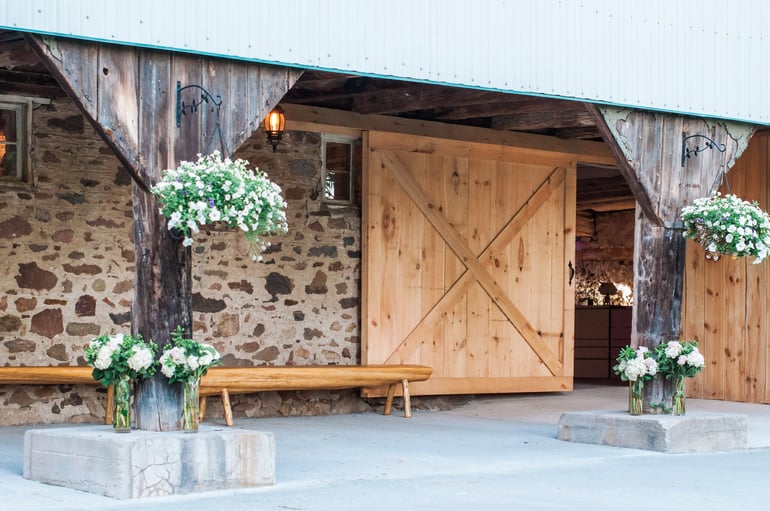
[
  {"x": 727, "y": 225},
  {"x": 215, "y": 190}
]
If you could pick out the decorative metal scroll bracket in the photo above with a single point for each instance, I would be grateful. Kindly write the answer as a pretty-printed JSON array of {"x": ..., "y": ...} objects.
[
  {"x": 710, "y": 144},
  {"x": 205, "y": 97}
]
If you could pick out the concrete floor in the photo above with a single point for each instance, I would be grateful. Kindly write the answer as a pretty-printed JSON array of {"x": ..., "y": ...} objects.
[{"x": 493, "y": 453}]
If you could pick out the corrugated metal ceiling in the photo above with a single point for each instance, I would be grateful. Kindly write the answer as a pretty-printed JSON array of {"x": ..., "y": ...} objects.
[{"x": 700, "y": 57}]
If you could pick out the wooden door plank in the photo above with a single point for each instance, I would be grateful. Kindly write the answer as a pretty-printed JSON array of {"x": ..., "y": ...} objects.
[
  {"x": 567, "y": 348},
  {"x": 433, "y": 267},
  {"x": 368, "y": 266},
  {"x": 455, "y": 198},
  {"x": 735, "y": 313},
  {"x": 713, "y": 351},
  {"x": 481, "y": 173},
  {"x": 529, "y": 333},
  {"x": 409, "y": 273},
  {"x": 749, "y": 181},
  {"x": 497, "y": 261},
  {"x": 694, "y": 303}
]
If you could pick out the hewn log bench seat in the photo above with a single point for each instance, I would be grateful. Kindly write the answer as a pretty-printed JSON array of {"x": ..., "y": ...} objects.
[
  {"x": 47, "y": 375},
  {"x": 53, "y": 375},
  {"x": 224, "y": 381}
]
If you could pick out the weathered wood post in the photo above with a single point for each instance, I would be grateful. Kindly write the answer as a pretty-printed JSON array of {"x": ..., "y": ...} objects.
[
  {"x": 649, "y": 149},
  {"x": 129, "y": 95}
]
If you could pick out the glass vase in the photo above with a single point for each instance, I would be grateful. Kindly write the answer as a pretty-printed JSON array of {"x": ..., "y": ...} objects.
[
  {"x": 121, "y": 416},
  {"x": 636, "y": 396},
  {"x": 190, "y": 404},
  {"x": 678, "y": 399}
]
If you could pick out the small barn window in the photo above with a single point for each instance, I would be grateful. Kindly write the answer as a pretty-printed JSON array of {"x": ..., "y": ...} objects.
[
  {"x": 12, "y": 143},
  {"x": 341, "y": 170}
]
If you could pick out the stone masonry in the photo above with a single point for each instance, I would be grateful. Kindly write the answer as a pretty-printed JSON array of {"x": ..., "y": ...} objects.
[
  {"x": 69, "y": 262},
  {"x": 607, "y": 257}
]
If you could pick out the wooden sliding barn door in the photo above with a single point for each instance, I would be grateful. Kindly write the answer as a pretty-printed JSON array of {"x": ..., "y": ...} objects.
[{"x": 468, "y": 263}]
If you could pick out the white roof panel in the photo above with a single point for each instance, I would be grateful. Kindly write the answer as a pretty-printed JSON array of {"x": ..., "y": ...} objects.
[{"x": 695, "y": 57}]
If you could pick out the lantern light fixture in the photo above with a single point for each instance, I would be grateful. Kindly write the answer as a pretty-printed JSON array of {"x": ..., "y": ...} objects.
[{"x": 275, "y": 123}]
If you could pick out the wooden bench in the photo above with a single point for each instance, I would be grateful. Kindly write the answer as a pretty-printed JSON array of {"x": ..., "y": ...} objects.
[
  {"x": 224, "y": 381},
  {"x": 54, "y": 375},
  {"x": 47, "y": 375}
]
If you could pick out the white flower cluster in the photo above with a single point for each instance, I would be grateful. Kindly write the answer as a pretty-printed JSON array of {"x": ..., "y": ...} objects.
[
  {"x": 216, "y": 190},
  {"x": 188, "y": 359},
  {"x": 106, "y": 350},
  {"x": 176, "y": 357},
  {"x": 141, "y": 359},
  {"x": 694, "y": 358},
  {"x": 638, "y": 366},
  {"x": 118, "y": 356},
  {"x": 728, "y": 225}
]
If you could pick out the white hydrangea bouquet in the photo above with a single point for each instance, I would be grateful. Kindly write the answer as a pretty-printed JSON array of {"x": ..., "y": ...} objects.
[
  {"x": 678, "y": 360},
  {"x": 728, "y": 225},
  {"x": 187, "y": 360},
  {"x": 117, "y": 356},
  {"x": 212, "y": 190},
  {"x": 635, "y": 366}
]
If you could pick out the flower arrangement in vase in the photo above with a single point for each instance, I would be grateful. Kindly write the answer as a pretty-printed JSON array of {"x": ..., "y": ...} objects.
[
  {"x": 185, "y": 361},
  {"x": 727, "y": 225},
  {"x": 635, "y": 366},
  {"x": 213, "y": 190},
  {"x": 119, "y": 360},
  {"x": 678, "y": 360}
]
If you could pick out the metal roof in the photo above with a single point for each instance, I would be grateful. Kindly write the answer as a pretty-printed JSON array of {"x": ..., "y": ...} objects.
[{"x": 700, "y": 57}]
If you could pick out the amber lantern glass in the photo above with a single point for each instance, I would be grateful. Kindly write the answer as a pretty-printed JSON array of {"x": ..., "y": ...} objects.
[{"x": 275, "y": 123}]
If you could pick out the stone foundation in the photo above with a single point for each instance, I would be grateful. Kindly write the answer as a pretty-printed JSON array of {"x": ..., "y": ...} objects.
[
  {"x": 148, "y": 464},
  {"x": 694, "y": 432}
]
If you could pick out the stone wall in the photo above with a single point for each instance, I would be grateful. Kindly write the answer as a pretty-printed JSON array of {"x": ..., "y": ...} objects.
[
  {"x": 69, "y": 266},
  {"x": 606, "y": 257}
]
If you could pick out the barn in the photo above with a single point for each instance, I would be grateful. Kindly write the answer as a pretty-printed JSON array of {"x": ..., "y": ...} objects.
[{"x": 461, "y": 182}]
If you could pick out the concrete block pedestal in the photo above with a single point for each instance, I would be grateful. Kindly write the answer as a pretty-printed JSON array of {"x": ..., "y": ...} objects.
[
  {"x": 693, "y": 432},
  {"x": 145, "y": 463}
]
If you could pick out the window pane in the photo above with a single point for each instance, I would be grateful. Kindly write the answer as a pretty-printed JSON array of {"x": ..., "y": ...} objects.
[
  {"x": 8, "y": 153},
  {"x": 337, "y": 178},
  {"x": 337, "y": 185},
  {"x": 8, "y": 126},
  {"x": 8, "y": 160}
]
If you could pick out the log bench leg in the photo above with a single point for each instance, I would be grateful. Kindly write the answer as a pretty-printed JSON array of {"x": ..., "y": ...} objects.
[
  {"x": 407, "y": 399},
  {"x": 226, "y": 406},
  {"x": 202, "y": 409},
  {"x": 389, "y": 400},
  {"x": 109, "y": 407}
]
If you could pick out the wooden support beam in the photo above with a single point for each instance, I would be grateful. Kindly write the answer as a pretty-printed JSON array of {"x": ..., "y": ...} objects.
[
  {"x": 301, "y": 117},
  {"x": 649, "y": 148},
  {"x": 626, "y": 170},
  {"x": 129, "y": 95},
  {"x": 544, "y": 121}
]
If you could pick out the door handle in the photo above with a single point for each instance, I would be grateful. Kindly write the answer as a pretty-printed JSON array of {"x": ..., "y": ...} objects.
[{"x": 571, "y": 273}]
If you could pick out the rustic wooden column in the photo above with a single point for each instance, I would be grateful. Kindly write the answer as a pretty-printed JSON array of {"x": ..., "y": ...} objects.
[
  {"x": 648, "y": 148},
  {"x": 129, "y": 95}
]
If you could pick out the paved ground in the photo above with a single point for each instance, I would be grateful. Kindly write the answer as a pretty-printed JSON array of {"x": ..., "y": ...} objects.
[{"x": 494, "y": 453}]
